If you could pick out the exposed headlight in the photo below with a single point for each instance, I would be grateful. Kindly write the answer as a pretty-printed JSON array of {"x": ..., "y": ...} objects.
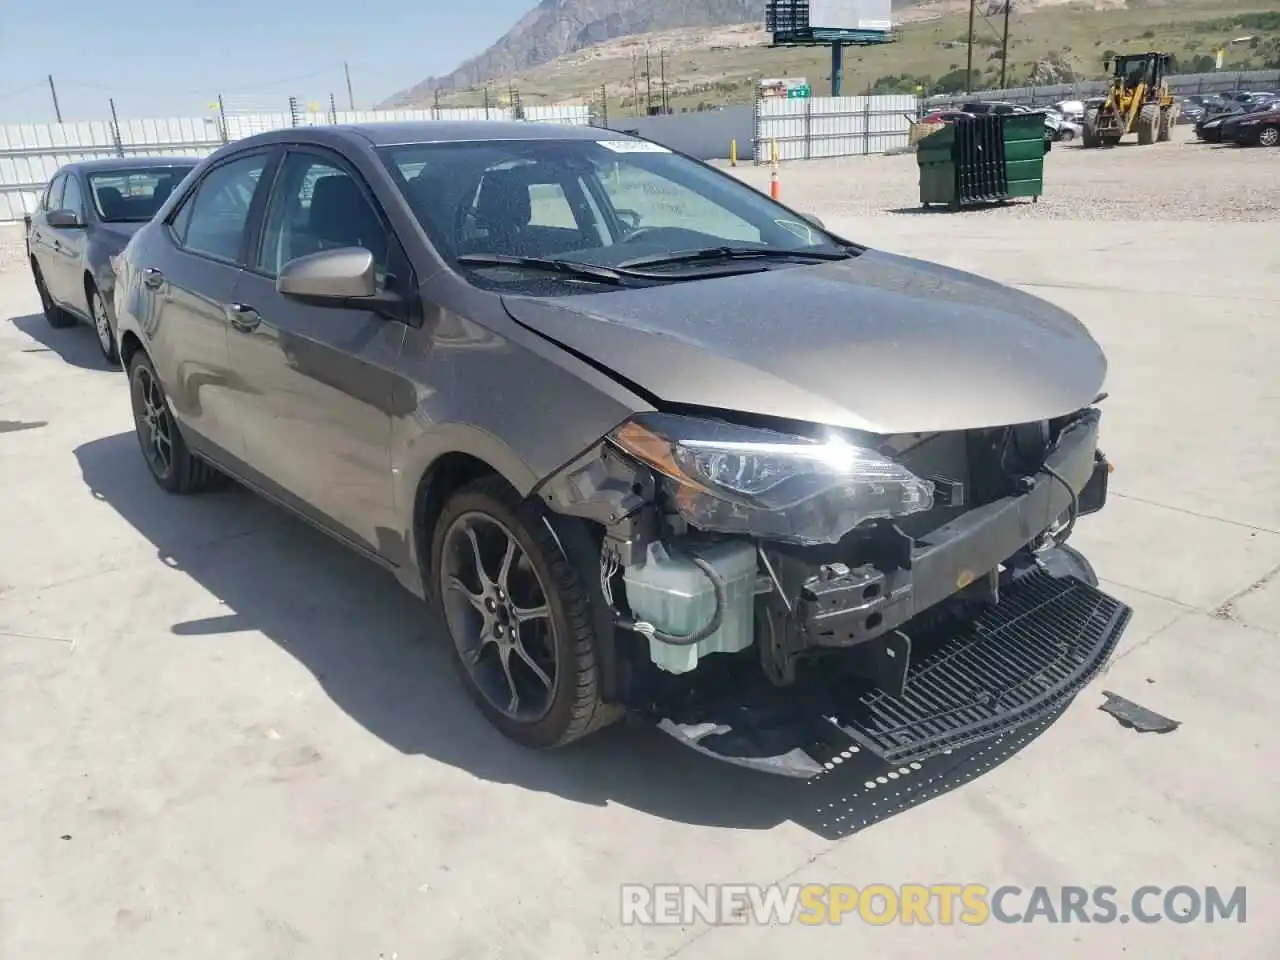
[{"x": 725, "y": 478}]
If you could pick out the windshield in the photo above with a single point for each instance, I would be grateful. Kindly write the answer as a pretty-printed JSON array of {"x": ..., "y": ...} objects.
[
  {"x": 126, "y": 196},
  {"x": 603, "y": 203}
]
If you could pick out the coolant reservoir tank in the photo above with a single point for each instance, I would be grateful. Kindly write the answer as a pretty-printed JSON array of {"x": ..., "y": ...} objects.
[{"x": 668, "y": 591}]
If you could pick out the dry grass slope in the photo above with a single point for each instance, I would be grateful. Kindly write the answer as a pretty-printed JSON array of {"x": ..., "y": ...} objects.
[{"x": 721, "y": 65}]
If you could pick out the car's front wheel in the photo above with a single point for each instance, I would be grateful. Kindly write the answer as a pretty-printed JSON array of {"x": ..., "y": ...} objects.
[
  {"x": 519, "y": 617},
  {"x": 174, "y": 467},
  {"x": 1269, "y": 136},
  {"x": 102, "y": 325}
]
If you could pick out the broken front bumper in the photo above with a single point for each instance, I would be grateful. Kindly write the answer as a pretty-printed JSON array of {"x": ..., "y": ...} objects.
[
  {"x": 842, "y": 607},
  {"x": 1015, "y": 663}
]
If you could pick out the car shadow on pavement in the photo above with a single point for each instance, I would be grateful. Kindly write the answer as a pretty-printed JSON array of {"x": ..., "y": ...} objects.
[
  {"x": 383, "y": 658},
  {"x": 76, "y": 345}
]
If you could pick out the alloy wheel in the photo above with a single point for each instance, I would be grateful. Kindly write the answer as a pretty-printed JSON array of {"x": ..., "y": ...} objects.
[
  {"x": 1270, "y": 137},
  {"x": 153, "y": 422},
  {"x": 498, "y": 614},
  {"x": 101, "y": 323}
]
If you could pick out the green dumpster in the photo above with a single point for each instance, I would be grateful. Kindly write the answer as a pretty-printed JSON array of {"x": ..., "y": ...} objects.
[
  {"x": 985, "y": 159},
  {"x": 1024, "y": 146}
]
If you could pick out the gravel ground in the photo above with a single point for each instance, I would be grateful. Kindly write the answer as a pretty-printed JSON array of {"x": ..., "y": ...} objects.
[{"x": 1177, "y": 181}]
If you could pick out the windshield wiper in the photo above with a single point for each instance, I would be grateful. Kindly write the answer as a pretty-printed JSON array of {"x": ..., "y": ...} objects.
[
  {"x": 712, "y": 254},
  {"x": 568, "y": 268}
]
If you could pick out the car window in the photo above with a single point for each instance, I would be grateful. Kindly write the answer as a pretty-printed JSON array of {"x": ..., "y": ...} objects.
[
  {"x": 219, "y": 212},
  {"x": 318, "y": 205},
  {"x": 53, "y": 198},
  {"x": 134, "y": 196},
  {"x": 549, "y": 207},
  {"x": 71, "y": 198},
  {"x": 660, "y": 202},
  {"x": 602, "y": 202}
]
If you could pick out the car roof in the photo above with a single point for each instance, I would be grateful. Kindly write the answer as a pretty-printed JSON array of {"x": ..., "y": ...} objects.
[
  {"x": 108, "y": 164},
  {"x": 435, "y": 131}
]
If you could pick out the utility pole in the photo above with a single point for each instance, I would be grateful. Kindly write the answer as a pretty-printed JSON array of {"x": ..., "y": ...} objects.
[
  {"x": 968, "y": 72},
  {"x": 1004, "y": 44},
  {"x": 57, "y": 110},
  {"x": 635, "y": 87},
  {"x": 351, "y": 100},
  {"x": 648, "y": 83},
  {"x": 662, "y": 72}
]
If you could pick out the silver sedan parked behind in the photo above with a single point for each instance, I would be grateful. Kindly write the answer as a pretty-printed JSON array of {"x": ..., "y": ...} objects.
[
  {"x": 648, "y": 439},
  {"x": 84, "y": 218}
]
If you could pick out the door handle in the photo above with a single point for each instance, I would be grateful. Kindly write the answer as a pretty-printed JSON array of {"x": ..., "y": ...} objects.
[
  {"x": 243, "y": 318},
  {"x": 152, "y": 277}
]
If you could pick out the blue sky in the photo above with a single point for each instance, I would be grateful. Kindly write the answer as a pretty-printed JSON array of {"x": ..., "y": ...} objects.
[{"x": 159, "y": 59}]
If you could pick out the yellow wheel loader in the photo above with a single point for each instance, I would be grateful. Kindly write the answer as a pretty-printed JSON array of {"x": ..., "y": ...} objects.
[{"x": 1138, "y": 100}]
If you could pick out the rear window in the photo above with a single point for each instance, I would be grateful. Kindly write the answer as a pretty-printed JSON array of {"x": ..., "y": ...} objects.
[{"x": 123, "y": 196}]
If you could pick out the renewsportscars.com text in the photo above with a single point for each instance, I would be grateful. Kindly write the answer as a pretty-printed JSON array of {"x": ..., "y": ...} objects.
[{"x": 941, "y": 904}]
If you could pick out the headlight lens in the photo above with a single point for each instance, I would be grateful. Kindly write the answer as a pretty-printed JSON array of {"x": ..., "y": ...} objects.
[{"x": 726, "y": 478}]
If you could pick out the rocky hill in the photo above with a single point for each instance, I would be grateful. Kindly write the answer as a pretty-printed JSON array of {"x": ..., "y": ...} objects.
[{"x": 556, "y": 27}]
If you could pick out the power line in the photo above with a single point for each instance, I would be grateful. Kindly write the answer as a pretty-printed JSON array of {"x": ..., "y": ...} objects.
[
  {"x": 202, "y": 91},
  {"x": 20, "y": 90}
]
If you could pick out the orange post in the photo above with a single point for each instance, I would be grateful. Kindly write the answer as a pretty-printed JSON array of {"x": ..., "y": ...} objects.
[{"x": 775, "y": 188}]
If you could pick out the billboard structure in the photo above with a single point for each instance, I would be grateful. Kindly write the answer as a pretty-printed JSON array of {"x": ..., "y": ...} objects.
[
  {"x": 835, "y": 22},
  {"x": 826, "y": 21}
]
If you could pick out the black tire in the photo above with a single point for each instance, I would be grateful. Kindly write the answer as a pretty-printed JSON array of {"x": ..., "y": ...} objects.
[
  {"x": 180, "y": 471},
  {"x": 104, "y": 327},
  {"x": 573, "y": 708},
  {"x": 1089, "y": 137},
  {"x": 1269, "y": 136},
  {"x": 1148, "y": 124},
  {"x": 1164, "y": 130},
  {"x": 57, "y": 317}
]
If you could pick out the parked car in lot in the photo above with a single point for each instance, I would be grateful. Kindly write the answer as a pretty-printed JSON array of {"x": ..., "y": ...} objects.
[
  {"x": 945, "y": 116},
  {"x": 650, "y": 441},
  {"x": 1210, "y": 128},
  {"x": 1072, "y": 110},
  {"x": 1197, "y": 106},
  {"x": 84, "y": 218},
  {"x": 1062, "y": 127},
  {"x": 1258, "y": 127}
]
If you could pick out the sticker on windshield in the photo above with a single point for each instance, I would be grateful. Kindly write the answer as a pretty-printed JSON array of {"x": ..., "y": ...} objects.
[{"x": 632, "y": 146}]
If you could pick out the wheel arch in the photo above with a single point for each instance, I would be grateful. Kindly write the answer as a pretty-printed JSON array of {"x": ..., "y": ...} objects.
[
  {"x": 469, "y": 457},
  {"x": 130, "y": 344}
]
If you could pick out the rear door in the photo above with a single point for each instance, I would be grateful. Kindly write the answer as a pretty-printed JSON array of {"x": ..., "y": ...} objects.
[
  {"x": 189, "y": 273},
  {"x": 318, "y": 381}
]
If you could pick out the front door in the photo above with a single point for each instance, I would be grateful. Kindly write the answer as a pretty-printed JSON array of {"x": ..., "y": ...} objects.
[
  {"x": 319, "y": 382},
  {"x": 190, "y": 273},
  {"x": 42, "y": 235},
  {"x": 65, "y": 275}
]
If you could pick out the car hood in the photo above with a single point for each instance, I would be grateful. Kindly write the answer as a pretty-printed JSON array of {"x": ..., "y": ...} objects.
[
  {"x": 881, "y": 343},
  {"x": 118, "y": 234}
]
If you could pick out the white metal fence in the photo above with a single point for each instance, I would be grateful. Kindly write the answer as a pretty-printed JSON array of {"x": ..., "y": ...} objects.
[
  {"x": 30, "y": 154},
  {"x": 817, "y": 127}
]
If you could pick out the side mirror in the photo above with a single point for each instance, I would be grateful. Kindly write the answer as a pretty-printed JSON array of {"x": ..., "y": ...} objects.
[
  {"x": 345, "y": 277},
  {"x": 64, "y": 219},
  {"x": 1106, "y": 65},
  {"x": 331, "y": 275},
  {"x": 814, "y": 220}
]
